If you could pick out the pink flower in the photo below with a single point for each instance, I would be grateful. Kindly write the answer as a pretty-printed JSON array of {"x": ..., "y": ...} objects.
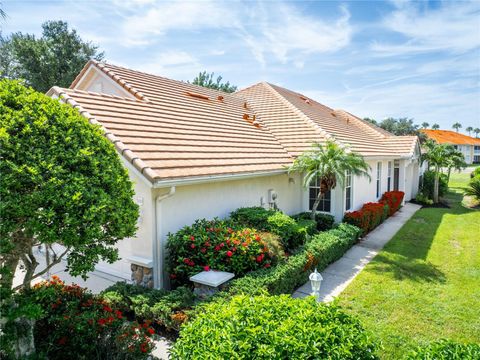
[
  {"x": 192, "y": 238},
  {"x": 206, "y": 268},
  {"x": 192, "y": 246},
  {"x": 203, "y": 250},
  {"x": 229, "y": 253},
  {"x": 217, "y": 248}
]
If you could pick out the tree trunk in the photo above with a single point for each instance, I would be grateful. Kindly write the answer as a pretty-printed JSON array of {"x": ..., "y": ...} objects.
[
  {"x": 9, "y": 263},
  {"x": 436, "y": 185},
  {"x": 448, "y": 175},
  {"x": 316, "y": 203}
]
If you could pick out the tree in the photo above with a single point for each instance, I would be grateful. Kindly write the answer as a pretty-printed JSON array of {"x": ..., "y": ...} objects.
[
  {"x": 370, "y": 120},
  {"x": 435, "y": 126},
  {"x": 425, "y": 125},
  {"x": 476, "y": 131},
  {"x": 62, "y": 182},
  {"x": 399, "y": 127},
  {"x": 53, "y": 59},
  {"x": 469, "y": 129},
  {"x": 454, "y": 160},
  {"x": 438, "y": 156},
  {"x": 329, "y": 163},
  {"x": 207, "y": 80},
  {"x": 457, "y": 126}
]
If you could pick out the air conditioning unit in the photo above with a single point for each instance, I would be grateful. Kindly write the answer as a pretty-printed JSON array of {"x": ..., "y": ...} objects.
[{"x": 272, "y": 196}]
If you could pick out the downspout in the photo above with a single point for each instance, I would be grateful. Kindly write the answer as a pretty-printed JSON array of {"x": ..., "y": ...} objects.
[{"x": 157, "y": 244}]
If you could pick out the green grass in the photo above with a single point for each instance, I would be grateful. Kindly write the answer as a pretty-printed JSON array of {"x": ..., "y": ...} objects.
[{"x": 425, "y": 284}]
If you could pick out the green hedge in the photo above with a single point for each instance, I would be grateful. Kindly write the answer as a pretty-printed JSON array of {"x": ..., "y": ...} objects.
[
  {"x": 165, "y": 308},
  {"x": 323, "y": 222},
  {"x": 273, "y": 327},
  {"x": 446, "y": 350},
  {"x": 322, "y": 249},
  {"x": 292, "y": 233}
]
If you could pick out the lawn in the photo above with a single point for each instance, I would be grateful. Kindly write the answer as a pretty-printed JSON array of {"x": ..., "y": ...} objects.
[{"x": 425, "y": 284}]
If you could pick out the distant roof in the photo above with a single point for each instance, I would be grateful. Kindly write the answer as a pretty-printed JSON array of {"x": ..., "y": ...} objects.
[
  {"x": 450, "y": 137},
  {"x": 171, "y": 130}
]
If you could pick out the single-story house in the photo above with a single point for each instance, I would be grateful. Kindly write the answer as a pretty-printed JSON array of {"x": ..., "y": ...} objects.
[
  {"x": 194, "y": 152},
  {"x": 467, "y": 145}
]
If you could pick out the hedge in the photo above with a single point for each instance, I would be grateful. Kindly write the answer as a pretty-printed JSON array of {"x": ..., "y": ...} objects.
[
  {"x": 273, "y": 327},
  {"x": 322, "y": 249}
]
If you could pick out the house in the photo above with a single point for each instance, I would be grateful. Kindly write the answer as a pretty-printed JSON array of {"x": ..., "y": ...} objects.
[
  {"x": 467, "y": 145},
  {"x": 194, "y": 152}
]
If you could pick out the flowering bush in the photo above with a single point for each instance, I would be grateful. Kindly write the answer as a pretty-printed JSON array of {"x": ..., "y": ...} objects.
[
  {"x": 393, "y": 199},
  {"x": 75, "y": 324},
  {"x": 214, "y": 245},
  {"x": 368, "y": 217}
]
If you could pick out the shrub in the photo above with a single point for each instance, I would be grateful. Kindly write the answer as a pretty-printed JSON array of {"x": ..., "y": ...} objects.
[
  {"x": 473, "y": 188},
  {"x": 423, "y": 199},
  {"x": 475, "y": 172},
  {"x": 76, "y": 324},
  {"x": 446, "y": 350},
  {"x": 165, "y": 308},
  {"x": 393, "y": 199},
  {"x": 428, "y": 182},
  {"x": 217, "y": 245},
  {"x": 291, "y": 233},
  {"x": 273, "y": 327},
  {"x": 322, "y": 249},
  {"x": 368, "y": 217},
  {"x": 324, "y": 221},
  {"x": 274, "y": 245}
]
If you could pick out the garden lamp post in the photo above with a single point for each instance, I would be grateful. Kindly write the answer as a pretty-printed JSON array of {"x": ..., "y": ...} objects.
[{"x": 315, "y": 281}]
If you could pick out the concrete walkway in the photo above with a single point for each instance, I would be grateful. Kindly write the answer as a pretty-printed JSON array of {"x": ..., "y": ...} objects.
[{"x": 338, "y": 275}]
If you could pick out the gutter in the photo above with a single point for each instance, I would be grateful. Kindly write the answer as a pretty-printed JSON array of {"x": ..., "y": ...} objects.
[{"x": 158, "y": 281}]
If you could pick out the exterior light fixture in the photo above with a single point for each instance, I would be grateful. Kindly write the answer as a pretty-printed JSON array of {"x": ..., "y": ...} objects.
[{"x": 315, "y": 281}]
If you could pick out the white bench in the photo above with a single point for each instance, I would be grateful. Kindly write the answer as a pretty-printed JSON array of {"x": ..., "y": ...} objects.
[{"x": 208, "y": 283}]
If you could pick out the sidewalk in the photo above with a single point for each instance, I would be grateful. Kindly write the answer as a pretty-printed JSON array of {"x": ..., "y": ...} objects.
[{"x": 338, "y": 275}]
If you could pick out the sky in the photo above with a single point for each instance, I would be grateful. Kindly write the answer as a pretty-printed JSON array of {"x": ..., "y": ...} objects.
[{"x": 375, "y": 59}]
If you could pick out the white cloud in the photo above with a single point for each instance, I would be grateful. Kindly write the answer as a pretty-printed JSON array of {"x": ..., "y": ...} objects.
[{"x": 454, "y": 27}]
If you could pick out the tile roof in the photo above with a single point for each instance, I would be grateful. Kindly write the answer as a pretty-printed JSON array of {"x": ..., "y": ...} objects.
[
  {"x": 450, "y": 137},
  {"x": 173, "y": 130},
  {"x": 297, "y": 121}
]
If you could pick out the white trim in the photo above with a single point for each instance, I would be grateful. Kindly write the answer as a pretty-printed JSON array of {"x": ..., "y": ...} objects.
[
  {"x": 206, "y": 179},
  {"x": 344, "y": 200},
  {"x": 138, "y": 260}
]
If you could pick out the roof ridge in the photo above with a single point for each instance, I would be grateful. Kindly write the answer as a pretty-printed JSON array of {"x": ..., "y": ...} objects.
[
  {"x": 362, "y": 123},
  {"x": 299, "y": 112},
  {"x": 128, "y": 154}
]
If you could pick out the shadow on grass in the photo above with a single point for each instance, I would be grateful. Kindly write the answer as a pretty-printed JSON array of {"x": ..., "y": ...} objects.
[{"x": 403, "y": 268}]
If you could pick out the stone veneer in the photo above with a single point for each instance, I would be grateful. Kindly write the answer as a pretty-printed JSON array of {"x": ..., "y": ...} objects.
[{"x": 142, "y": 275}]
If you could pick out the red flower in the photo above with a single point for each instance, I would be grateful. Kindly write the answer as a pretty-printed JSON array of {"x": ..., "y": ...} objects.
[
  {"x": 259, "y": 258},
  {"x": 151, "y": 331},
  {"x": 102, "y": 322},
  {"x": 244, "y": 244},
  {"x": 192, "y": 246},
  {"x": 107, "y": 308},
  {"x": 62, "y": 340},
  {"x": 118, "y": 313},
  {"x": 203, "y": 250},
  {"x": 217, "y": 248},
  {"x": 206, "y": 268},
  {"x": 222, "y": 245},
  {"x": 173, "y": 276},
  {"x": 266, "y": 266},
  {"x": 186, "y": 260},
  {"x": 143, "y": 347},
  {"x": 192, "y": 238},
  {"x": 229, "y": 253}
]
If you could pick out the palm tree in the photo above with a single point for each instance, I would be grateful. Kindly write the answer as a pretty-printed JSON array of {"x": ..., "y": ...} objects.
[
  {"x": 435, "y": 126},
  {"x": 457, "y": 126},
  {"x": 438, "y": 156},
  {"x": 425, "y": 125},
  {"x": 469, "y": 130},
  {"x": 329, "y": 163},
  {"x": 454, "y": 160},
  {"x": 476, "y": 131}
]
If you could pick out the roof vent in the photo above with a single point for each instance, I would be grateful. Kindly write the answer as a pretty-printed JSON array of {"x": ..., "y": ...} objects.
[
  {"x": 246, "y": 117},
  {"x": 333, "y": 113},
  {"x": 197, "y": 95},
  {"x": 307, "y": 101},
  {"x": 245, "y": 106},
  {"x": 220, "y": 98}
]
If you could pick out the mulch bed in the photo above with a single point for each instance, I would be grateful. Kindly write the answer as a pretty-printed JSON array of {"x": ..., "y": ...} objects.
[{"x": 441, "y": 204}]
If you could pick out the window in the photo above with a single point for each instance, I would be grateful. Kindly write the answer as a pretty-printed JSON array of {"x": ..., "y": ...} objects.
[
  {"x": 389, "y": 176},
  {"x": 325, "y": 203},
  {"x": 379, "y": 176},
  {"x": 348, "y": 191}
]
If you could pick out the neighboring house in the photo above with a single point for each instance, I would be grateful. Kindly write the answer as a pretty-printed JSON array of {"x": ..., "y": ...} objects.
[
  {"x": 194, "y": 152},
  {"x": 467, "y": 145}
]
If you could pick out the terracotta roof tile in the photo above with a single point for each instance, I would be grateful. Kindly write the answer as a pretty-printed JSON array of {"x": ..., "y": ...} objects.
[
  {"x": 174, "y": 130},
  {"x": 450, "y": 137}
]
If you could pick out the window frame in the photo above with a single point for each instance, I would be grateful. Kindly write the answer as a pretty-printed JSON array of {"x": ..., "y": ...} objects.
[
  {"x": 321, "y": 206},
  {"x": 348, "y": 186},
  {"x": 389, "y": 175},
  {"x": 379, "y": 179}
]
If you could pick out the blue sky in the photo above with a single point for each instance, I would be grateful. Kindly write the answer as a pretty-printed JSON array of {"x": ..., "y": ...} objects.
[{"x": 376, "y": 59}]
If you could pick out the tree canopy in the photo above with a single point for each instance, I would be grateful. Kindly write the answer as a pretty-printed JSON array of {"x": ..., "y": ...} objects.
[
  {"x": 208, "y": 80},
  {"x": 399, "y": 127},
  {"x": 61, "y": 182},
  {"x": 457, "y": 126},
  {"x": 55, "y": 58}
]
